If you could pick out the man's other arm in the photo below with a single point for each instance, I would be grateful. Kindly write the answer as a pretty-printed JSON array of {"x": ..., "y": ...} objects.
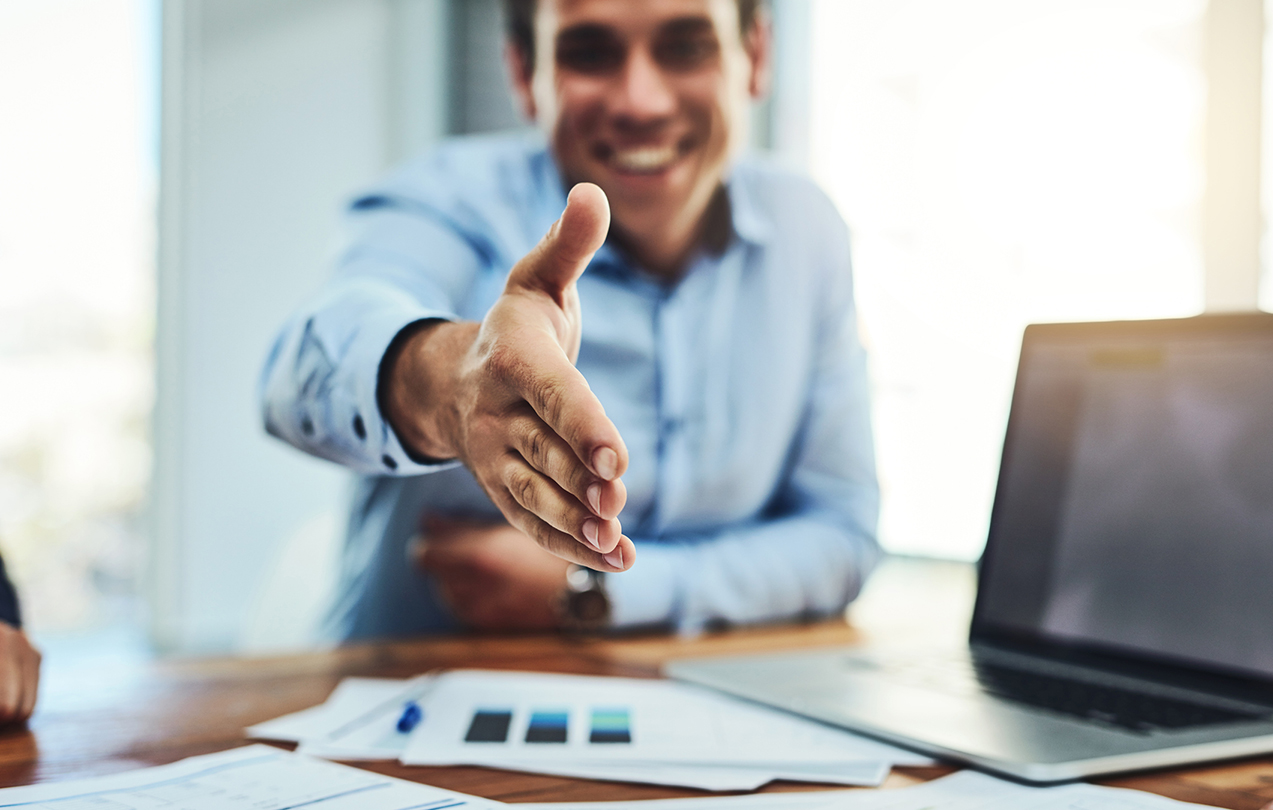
[
  {"x": 812, "y": 554},
  {"x": 320, "y": 383}
]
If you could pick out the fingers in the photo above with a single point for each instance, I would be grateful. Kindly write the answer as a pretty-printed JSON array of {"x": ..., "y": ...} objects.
[
  {"x": 560, "y": 395},
  {"x": 19, "y": 675},
  {"x": 548, "y": 453},
  {"x": 561, "y": 256},
  {"x": 30, "y": 681},
  {"x": 537, "y": 493},
  {"x": 10, "y": 686},
  {"x": 563, "y": 545},
  {"x": 565, "y": 464}
]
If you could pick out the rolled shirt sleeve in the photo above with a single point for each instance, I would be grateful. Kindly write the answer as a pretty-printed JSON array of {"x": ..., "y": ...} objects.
[{"x": 318, "y": 388}]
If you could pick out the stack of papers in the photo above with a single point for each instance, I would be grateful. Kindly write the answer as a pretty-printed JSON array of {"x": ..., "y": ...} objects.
[
  {"x": 966, "y": 790},
  {"x": 358, "y": 721},
  {"x": 257, "y": 777},
  {"x": 262, "y": 778},
  {"x": 351, "y": 699},
  {"x": 633, "y": 730},
  {"x": 618, "y": 729}
]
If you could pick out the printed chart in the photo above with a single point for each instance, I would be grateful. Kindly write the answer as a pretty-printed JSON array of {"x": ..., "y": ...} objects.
[
  {"x": 477, "y": 716},
  {"x": 550, "y": 725}
]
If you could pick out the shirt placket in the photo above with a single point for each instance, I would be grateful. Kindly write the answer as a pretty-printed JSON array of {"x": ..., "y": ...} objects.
[{"x": 678, "y": 322}]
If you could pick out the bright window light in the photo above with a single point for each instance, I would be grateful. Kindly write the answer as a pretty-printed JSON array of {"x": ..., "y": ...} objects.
[
  {"x": 999, "y": 162},
  {"x": 77, "y": 179}
]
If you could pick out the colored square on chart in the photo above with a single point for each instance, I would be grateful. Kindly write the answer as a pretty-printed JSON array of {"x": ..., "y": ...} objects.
[
  {"x": 611, "y": 726},
  {"x": 547, "y": 726},
  {"x": 489, "y": 726}
]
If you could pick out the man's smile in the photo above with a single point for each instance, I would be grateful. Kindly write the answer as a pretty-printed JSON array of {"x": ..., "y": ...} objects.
[{"x": 644, "y": 159}]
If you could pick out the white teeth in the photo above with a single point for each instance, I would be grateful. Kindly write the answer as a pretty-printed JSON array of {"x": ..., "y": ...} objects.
[{"x": 644, "y": 159}]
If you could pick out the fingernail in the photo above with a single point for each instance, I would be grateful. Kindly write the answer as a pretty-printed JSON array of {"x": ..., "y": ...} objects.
[
  {"x": 615, "y": 558},
  {"x": 590, "y": 533},
  {"x": 606, "y": 462},
  {"x": 594, "y": 498}
]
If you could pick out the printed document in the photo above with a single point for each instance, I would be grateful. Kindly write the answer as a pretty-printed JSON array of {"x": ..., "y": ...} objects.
[
  {"x": 476, "y": 717},
  {"x": 360, "y": 722},
  {"x": 966, "y": 790},
  {"x": 257, "y": 777}
]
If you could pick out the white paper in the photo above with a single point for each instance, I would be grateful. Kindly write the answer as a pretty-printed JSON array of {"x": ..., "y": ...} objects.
[
  {"x": 970, "y": 790},
  {"x": 257, "y": 777},
  {"x": 816, "y": 800},
  {"x": 373, "y": 734},
  {"x": 703, "y": 777},
  {"x": 668, "y": 722},
  {"x": 352, "y": 698},
  {"x": 359, "y": 723},
  {"x": 709, "y": 777},
  {"x": 966, "y": 790}
]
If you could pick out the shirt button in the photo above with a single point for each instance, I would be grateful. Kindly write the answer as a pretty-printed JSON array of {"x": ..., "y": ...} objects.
[
  {"x": 389, "y": 462},
  {"x": 360, "y": 430},
  {"x": 307, "y": 426}
]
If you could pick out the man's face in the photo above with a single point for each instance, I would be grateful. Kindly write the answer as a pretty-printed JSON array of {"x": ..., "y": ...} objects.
[{"x": 648, "y": 100}]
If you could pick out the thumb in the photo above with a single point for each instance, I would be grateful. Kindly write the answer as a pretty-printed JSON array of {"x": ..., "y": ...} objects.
[{"x": 561, "y": 256}]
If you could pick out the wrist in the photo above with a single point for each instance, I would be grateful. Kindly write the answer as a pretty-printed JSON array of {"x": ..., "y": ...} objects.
[{"x": 421, "y": 373}]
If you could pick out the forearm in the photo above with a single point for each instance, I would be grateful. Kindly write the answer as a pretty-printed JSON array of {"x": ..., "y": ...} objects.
[
  {"x": 419, "y": 384},
  {"x": 466, "y": 392},
  {"x": 806, "y": 564}
]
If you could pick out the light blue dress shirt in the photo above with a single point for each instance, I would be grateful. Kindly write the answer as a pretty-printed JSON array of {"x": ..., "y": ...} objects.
[{"x": 740, "y": 390}]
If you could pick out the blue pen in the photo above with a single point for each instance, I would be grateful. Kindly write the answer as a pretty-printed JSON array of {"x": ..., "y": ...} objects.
[{"x": 411, "y": 716}]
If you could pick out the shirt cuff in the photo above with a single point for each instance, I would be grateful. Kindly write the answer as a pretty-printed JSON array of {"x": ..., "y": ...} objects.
[
  {"x": 646, "y": 594},
  {"x": 365, "y": 355}
]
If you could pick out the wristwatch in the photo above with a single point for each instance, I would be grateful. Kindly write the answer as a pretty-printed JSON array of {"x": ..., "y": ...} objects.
[{"x": 585, "y": 605}]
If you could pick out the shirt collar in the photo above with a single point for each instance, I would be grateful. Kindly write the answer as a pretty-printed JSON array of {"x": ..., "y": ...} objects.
[{"x": 747, "y": 221}]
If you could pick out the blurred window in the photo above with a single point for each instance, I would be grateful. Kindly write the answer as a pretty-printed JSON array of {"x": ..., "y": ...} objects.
[
  {"x": 999, "y": 162},
  {"x": 77, "y": 178}
]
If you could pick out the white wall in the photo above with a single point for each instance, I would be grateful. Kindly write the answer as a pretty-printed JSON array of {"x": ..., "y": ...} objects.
[
  {"x": 1232, "y": 220},
  {"x": 274, "y": 111}
]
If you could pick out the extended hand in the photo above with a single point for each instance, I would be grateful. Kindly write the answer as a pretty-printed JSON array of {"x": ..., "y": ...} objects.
[
  {"x": 505, "y": 398},
  {"x": 492, "y": 577}
]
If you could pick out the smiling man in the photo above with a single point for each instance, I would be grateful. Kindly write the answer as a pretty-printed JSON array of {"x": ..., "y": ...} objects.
[{"x": 615, "y": 344}]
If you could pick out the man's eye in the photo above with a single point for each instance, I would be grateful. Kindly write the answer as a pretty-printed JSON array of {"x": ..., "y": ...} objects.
[
  {"x": 685, "y": 53},
  {"x": 593, "y": 57}
]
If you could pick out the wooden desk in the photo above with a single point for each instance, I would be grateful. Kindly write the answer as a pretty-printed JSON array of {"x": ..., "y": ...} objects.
[{"x": 128, "y": 715}]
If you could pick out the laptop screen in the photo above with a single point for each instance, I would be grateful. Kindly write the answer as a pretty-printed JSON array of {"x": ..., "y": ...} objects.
[{"x": 1135, "y": 504}]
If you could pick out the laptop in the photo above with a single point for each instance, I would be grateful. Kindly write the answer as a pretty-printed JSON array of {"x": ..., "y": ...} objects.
[{"x": 1124, "y": 614}]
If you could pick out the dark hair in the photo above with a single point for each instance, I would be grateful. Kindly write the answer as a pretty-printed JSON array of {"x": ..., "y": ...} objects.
[{"x": 519, "y": 25}]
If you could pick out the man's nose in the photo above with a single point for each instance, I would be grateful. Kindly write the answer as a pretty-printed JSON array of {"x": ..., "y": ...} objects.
[{"x": 644, "y": 94}]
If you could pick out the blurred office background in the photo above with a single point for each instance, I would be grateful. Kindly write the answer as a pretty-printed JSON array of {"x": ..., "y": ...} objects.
[{"x": 172, "y": 174}]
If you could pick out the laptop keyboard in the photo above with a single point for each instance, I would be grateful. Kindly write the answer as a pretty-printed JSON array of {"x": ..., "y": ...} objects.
[
  {"x": 1129, "y": 709},
  {"x": 1135, "y": 711}
]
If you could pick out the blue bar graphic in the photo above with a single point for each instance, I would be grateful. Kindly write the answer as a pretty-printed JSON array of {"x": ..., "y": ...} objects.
[
  {"x": 548, "y": 726},
  {"x": 611, "y": 726}
]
